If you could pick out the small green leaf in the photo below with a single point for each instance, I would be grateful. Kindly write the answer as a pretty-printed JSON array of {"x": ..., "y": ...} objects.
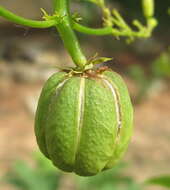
[
  {"x": 94, "y": 60},
  {"x": 161, "y": 180},
  {"x": 100, "y": 60},
  {"x": 76, "y": 17}
]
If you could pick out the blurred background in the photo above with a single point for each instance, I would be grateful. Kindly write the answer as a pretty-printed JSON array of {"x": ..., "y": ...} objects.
[{"x": 29, "y": 56}]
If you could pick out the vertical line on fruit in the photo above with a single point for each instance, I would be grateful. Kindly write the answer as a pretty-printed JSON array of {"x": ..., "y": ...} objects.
[
  {"x": 80, "y": 112},
  {"x": 115, "y": 94},
  {"x": 56, "y": 91},
  {"x": 60, "y": 85}
]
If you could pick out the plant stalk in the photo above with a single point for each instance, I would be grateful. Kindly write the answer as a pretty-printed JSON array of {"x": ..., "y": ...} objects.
[
  {"x": 25, "y": 22},
  {"x": 67, "y": 34}
]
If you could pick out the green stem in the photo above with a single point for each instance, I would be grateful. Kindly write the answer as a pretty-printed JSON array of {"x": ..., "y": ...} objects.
[
  {"x": 26, "y": 22},
  {"x": 67, "y": 34},
  {"x": 115, "y": 31},
  {"x": 92, "y": 31}
]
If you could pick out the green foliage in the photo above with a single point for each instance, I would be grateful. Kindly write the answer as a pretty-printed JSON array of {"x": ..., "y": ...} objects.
[
  {"x": 137, "y": 73},
  {"x": 41, "y": 177},
  {"x": 132, "y": 7},
  {"x": 158, "y": 69},
  {"x": 113, "y": 24},
  {"x": 163, "y": 181},
  {"x": 169, "y": 11},
  {"x": 161, "y": 66},
  {"x": 45, "y": 177},
  {"x": 112, "y": 18},
  {"x": 112, "y": 179}
]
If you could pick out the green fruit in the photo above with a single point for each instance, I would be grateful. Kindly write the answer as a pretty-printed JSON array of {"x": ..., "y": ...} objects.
[{"x": 84, "y": 121}]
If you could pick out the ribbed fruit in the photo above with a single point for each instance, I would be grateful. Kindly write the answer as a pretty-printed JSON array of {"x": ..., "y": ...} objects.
[{"x": 84, "y": 121}]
